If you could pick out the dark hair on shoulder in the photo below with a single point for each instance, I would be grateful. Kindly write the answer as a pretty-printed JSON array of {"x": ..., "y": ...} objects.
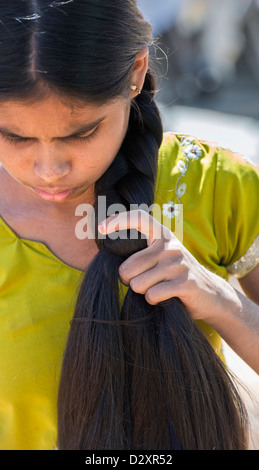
[{"x": 137, "y": 377}]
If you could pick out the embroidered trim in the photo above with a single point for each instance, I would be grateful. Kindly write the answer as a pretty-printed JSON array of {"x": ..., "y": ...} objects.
[
  {"x": 247, "y": 262},
  {"x": 191, "y": 151},
  {"x": 170, "y": 210}
]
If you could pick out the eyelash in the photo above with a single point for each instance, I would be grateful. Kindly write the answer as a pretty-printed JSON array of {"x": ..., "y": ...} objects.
[{"x": 16, "y": 141}]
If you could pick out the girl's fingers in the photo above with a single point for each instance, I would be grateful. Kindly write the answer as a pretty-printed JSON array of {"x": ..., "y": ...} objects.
[
  {"x": 142, "y": 262},
  {"x": 150, "y": 265},
  {"x": 136, "y": 219},
  {"x": 163, "y": 291},
  {"x": 138, "y": 263}
]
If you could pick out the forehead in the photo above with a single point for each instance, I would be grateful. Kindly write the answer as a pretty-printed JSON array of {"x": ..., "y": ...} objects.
[
  {"x": 54, "y": 103},
  {"x": 53, "y": 112}
]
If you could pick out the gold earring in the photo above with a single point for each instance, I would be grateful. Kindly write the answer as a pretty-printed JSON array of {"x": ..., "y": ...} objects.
[{"x": 135, "y": 88}]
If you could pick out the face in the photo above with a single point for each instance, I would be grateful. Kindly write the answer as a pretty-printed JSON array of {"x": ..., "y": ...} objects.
[{"x": 57, "y": 151}]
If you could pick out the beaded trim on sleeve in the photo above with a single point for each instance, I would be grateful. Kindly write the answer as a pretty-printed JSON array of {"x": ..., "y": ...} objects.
[{"x": 247, "y": 262}]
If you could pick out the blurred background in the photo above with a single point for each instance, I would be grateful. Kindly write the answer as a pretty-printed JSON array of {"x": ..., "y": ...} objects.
[{"x": 207, "y": 58}]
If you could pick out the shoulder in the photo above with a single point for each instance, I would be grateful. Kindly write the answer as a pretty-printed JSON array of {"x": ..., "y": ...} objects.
[
  {"x": 176, "y": 146},
  {"x": 178, "y": 151},
  {"x": 196, "y": 172},
  {"x": 217, "y": 192},
  {"x": 185, "y": 160}
]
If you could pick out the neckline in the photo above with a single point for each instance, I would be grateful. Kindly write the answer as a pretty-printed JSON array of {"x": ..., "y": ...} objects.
[{"x": 37, "y": 243}]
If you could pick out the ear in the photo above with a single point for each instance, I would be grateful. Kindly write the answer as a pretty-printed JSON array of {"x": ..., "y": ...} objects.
[{"x": 140, "y": 68}]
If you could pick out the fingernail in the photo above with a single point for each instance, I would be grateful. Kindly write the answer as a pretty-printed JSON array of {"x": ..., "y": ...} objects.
[{"x": 102, "y": 227}]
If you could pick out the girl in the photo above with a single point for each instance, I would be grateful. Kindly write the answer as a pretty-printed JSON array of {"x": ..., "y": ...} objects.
[{"x": 138, "y": 318}]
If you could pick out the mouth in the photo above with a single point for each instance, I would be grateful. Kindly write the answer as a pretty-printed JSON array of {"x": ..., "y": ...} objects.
[{"x": 55, "y": 194}]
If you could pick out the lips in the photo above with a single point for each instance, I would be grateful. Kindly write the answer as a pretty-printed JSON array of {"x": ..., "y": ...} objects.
[
  {"x": 55, "y": 195},
  {"x": 54, "y": 191}
]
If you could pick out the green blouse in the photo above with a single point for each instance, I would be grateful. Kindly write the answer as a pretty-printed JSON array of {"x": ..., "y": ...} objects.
[{"x": 218, "y": 193}]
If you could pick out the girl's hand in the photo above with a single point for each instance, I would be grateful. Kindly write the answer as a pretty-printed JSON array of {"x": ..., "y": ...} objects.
[{"x": 166, "y": 269}]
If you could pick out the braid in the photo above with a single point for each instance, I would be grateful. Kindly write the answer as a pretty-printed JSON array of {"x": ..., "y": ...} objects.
[{"x": 141, "y": 376}]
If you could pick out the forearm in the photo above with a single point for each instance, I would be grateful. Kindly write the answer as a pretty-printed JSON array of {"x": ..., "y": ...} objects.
[{"x": 238, "y": 324}]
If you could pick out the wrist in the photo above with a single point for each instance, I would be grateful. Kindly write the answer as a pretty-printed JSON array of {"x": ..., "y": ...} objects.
[
  {"x": 227, "y": 305},
  {"x": 236, "y": 320}
]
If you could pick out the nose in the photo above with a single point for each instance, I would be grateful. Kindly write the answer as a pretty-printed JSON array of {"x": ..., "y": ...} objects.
[{"x": 51, "y": 168}]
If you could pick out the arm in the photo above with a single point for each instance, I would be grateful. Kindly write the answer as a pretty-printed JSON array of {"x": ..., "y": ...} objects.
[
  {"x": 250, "y": 285},
  {"x": 238, "y": 320},
  {"x": 234, "y": 315},
  {"x": 241, "y": 330},
  {"x": 166, "y": 269}
]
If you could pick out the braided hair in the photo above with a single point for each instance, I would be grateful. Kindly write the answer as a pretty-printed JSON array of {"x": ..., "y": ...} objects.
[
  {"x": 134, "y": 376},
  {"x": 149, "y": 379}
]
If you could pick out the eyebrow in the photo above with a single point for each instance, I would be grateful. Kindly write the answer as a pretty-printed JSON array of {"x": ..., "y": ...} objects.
[{"x": 76, "y": 133}]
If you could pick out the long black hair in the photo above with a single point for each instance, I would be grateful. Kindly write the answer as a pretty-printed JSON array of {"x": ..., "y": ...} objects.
[{"x": 140, "y": 376}]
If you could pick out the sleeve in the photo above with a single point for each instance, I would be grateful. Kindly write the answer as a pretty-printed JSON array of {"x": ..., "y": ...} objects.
[{"x": 236, "y": 213}]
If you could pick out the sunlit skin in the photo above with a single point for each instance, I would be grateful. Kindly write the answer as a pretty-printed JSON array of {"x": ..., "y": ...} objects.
[
  {"x": 48, "y": 170},
  {"x": 47, "y": 146}
]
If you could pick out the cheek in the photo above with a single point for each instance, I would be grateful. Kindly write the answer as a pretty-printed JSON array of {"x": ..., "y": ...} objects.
[
  {"x": 93, "y": 162},
  {"x": 17, "y": 165},
  {"x": 98, "y": 155},
  {"x": 12, "y": 155},
  {"x": 7, "y": 159},
  {"x": 91, "y": 169}
]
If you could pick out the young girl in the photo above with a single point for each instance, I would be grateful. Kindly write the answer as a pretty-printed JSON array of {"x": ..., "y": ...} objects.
[{"x": 105, "y": 342}]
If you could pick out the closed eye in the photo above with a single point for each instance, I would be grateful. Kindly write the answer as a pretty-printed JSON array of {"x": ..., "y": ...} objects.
[
  {"x": 19, "y": 140},
  {"x": 15, "y": 140},
  {"x": 81, "y": 138}
]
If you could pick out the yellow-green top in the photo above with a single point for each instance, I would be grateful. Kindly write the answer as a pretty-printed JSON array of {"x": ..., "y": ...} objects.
[{"x": 218, "y": 191}]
